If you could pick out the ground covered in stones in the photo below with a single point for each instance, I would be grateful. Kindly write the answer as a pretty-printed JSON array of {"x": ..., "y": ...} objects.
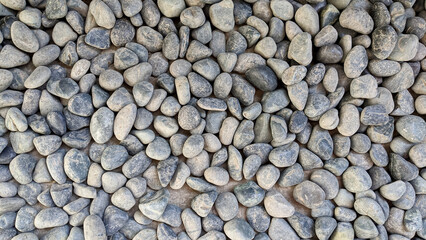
[{"x": 212, "y": 119}]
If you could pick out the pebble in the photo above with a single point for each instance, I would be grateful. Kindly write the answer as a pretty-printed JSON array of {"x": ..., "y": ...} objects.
[
  {"x": 192, "y": 223},
  {"x": 101, "y": 125},
  {"x": 355, "y": 62},
  {"x": 393, "y": 191},
  {"x": 124, "y": 120},
  {"x": 309, "y": 194},
  {"x": 50, "y": 217},
  {"x": 401, "y": 169},
  {"x": 348, "y": 120},
  {"x": 412, "y": 128},
  {"x": 171, "y": 9},
  {"x": 12, "y": 57},
  {"x": 188, "y": 117},
  {"x": 321, "y": 143},
  {"x": 217, "y": 176},
  {"x": 221, "y": 15},
  {"x": 21, "y": 168},
  {"x": 384, "y": 40},
  {"x": 356, "y": 19},
  {"x": 249, "y": 194},
  {"x": 203, "y": 203},
  {"x": 94, "y": 228},
  {"x": 356, "y": 179},
  {"x": 364, "y": 87},
  {"x": 98, "y": 38},
  {"x": 262, "y": 77},
  {"x": 277, "y": 206},
  {"x": 280, "y": 227},
  {"x": 114, "y": 219},
  {"x": 282, "y": 9},
  {"x": 62, "y": 34},
  {"x": 406, "y": 51},
  {"x": 300, "y": 49},
  {"x": 308, "y": 20},
  {"x": 238, "y": 229},
  {"x": 123, "y": 199},
  {"x": 400, "y": 81},
  {"x": 76, "y": 165},
  {"x": 23, "y": 37}
]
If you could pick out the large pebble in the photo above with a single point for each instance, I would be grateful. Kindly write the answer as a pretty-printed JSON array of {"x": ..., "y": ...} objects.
[{"x": 50, "y": 217}]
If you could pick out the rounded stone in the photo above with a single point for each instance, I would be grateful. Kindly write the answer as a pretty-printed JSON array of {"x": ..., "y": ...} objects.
[
  {"x": 238, "y": 229},
  {"x": 356, "y": 179},
  {"x": 101, "y": 125},
  {"x": 227, "y": 206},
  {"x": 23, "y": 37},
  {"x": 50, "y": 217},
  {"x": 171, "y": 9},
  {"x": 76, "y": 165},
  {"x": 188, "y": 117},
  {"x": 217, "y": 176},
  {"x": 158, "y": 149},
  {"x": 412, "y": 128},
  {"x": 309, "y": 194},
  {"x": 222, "y": 16},
  {"x": 356, "y": 19},
  {"x": 277, "y": 205}
]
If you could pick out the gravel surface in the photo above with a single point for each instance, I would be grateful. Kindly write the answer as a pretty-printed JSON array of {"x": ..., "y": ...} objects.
[{"x": 212, "y": 119}]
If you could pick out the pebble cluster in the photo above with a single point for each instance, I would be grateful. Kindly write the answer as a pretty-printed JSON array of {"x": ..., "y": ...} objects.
[{"x": 285, "y": 119}]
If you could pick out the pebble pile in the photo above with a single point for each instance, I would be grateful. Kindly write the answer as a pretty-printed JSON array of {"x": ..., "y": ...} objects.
[{"x": 282, "y": 119}]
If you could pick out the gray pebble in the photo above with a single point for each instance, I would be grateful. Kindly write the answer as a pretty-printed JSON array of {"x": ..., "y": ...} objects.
[
  {"x": 413, "y": 220},
  {"x": 324, "y": 227},
  {"x": 355, "y": 62},
  {"x": 114, "y": 219},
  {"x": 402, "y": 169},
  {"x": 212, "y": 223},
  {"x": 47, "y": 144},
  {"x": 249, "y": 194},
  {"x": 50, "y": 217},
  {"x": 277, "y": 206},
  {"x": 188, "y": 117},
  {"x": 291, "y": 176},
  {"x": 113, "y": 157},
  {"x": 202, "y": 203},
  {"x": 123, "y": 199},
  {"x": 137, "y": 186},
  {"x": 192, "y": 17},
  {"x": 406, "y": 51},
  {"x": 280, "y": 227},
  {"x": 94, "y": 227},
  {"x": 166, "y": 170},
  {"x": 25, "y": 219},
  {"x": 400, "y": 81},
  {"x": 171, "y": 8},
  {"x": 236, "y": 43},
  {"x": 23, "y": 38},
  {"x": 321, "y": 143},
  {"x": 199, "y": 86},
  {"x": 21, "y": 168},
  {"x": 192, "y": 223},
  {"x": 412, "y": 128},
  {"x": 15, "y": 120},
  {"x": 300, "y": 49},
  {"x": 384, "y": 40},
  {"x": 217, "y": 176},
  {"x": 101, "y": 125},
  {"x": 238, "y": 229},
  {"x": 309, "y": 194},
  {"x": 76, "y": 165}
]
